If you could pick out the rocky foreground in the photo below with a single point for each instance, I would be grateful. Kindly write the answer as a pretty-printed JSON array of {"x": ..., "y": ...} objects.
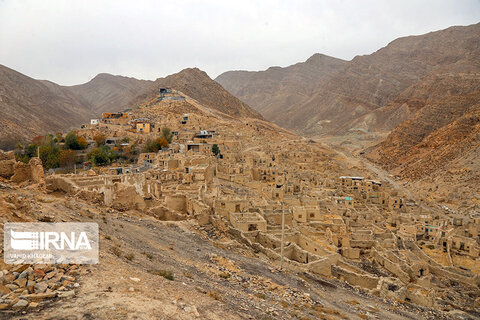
[{"x": 151, "y": 269}]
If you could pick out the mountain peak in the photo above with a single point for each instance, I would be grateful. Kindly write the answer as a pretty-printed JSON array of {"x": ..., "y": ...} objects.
[{"x": 196, "y": 84}]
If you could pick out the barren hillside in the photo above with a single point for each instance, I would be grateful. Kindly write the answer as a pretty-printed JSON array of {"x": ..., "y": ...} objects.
[
  {"x": 31, "y": 107},
  {"x": 108, "y": 93},
  {"x": 34, "y": 107},
  {"x": 276, "y": 89},
  {"x": 353, "y": 96},
  {"x": 197, "y": 84}
]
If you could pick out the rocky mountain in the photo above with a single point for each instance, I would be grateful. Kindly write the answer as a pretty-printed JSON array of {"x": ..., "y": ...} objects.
[
  {"x": 371, "y": 92},
  {"x": 31, "y": 107},
  {"x": 441, "y": 131},
  {"x": 445, "y": 129},
  {"x": 277, "y": 89},
  {"x": 196, "y": 84},
  {"x": 107, "y": 92},
  {"x": 34, "y": 107}
]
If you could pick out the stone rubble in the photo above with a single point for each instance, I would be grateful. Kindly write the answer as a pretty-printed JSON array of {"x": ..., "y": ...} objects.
[{"x": 32, "y": 286}]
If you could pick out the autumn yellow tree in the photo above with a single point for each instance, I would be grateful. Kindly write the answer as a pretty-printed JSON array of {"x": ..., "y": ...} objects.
[
  {"x": 67, "y": 158},
  {"x": 99, "y": 139}
]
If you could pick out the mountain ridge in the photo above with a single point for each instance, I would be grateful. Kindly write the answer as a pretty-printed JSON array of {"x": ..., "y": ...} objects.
[
  {"x": 35, "y": 107},
  {"x": 364, "y": 84}
]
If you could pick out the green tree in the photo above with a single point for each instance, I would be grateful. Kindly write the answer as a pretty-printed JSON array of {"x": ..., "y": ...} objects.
[
  {"x": 71, "y": 141},
  {"x": 99, "y": 139},
  {"x": 31, "y": 150},
  {"x": 215, "y": 150},
  {"x": 82, "y": 143},
  {"x": 98, "y": 157},
  {"x": 111, "y": 154},
  {"x": 161, "y": 143},
  {"x": 50, "y": 155},
  {"x": 167, "y": 134}
]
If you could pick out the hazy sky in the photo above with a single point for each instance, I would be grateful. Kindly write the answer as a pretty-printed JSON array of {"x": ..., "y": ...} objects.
[{"x": 69, "y": 42}]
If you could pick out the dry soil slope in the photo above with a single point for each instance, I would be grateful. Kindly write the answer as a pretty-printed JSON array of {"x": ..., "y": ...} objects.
[
  {"x": 108, "y": 93},
  {"x": 277, "y": 89},
  {"x": 445, "y": 129},
  {"x": 196, "y": 84},
  {"x": 31, "y": 107}
]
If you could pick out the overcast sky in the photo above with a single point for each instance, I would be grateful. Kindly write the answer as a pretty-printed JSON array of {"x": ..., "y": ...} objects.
[{"x": 69, "y": 42}]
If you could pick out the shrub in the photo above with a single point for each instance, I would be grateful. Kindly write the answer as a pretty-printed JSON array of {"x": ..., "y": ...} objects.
[
  {"x": 166, "y": 274},
  {"x": 116, "y": 251},
  {"x": 150, "y": 146},
  {"x": 215, "y": 295},
  {"x": 224, "y": 275},
  {"x": 99, "y": 139},
  {"x": 148, "y": 255},
  {"x": 260, "y": 295},
  {"x": 59, "y": 137}
]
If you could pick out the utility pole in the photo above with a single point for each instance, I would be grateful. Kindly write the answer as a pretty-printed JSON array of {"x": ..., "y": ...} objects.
[{"x": 283, "y": 236}]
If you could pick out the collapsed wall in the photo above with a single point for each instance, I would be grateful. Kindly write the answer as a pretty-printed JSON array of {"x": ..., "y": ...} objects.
[
  {"x": 19, "y": 172},
  {"x": 7, "y": 162}
]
